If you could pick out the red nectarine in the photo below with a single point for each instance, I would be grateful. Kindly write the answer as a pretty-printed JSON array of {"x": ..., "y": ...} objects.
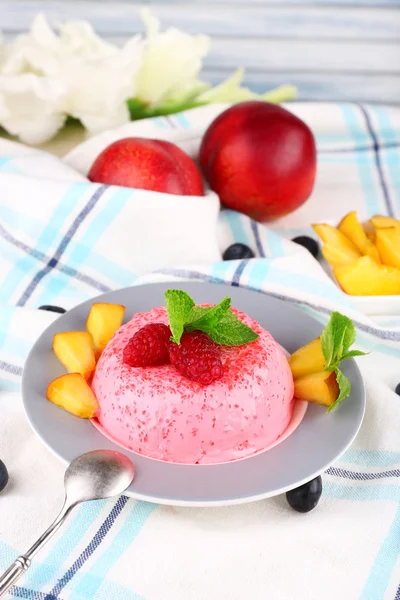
[
  {"x": 260, "y": 159},
  {"x": 148, "y": 164}
]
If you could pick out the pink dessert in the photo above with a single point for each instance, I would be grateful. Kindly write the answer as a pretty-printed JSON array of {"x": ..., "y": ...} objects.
[{"x": 157, "y": 412}]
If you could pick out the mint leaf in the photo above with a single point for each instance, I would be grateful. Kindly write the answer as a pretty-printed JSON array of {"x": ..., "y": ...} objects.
[
  {"x": 179, "y": 305},
  {"x": 207, "y": 316},
  {"x": 337, "y": 338},
  {"x": 352, "y": 353},
  {"x": 217, "y": 321},
  {"x": 344, "y": 389},
  {"x": 230, "y": 331}
]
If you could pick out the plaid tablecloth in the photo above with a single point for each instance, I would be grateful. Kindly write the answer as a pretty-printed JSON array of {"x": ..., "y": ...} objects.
[{"x": 63, "y": 240}]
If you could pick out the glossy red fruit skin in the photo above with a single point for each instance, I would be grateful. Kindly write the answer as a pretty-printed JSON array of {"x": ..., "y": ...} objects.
[
  {"x": 260, "y": 159},
  {"x": 146, "y": 164}
]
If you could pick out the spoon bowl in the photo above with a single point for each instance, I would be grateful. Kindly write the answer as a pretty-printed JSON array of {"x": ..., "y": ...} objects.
[{"x": 97, "y": 475}]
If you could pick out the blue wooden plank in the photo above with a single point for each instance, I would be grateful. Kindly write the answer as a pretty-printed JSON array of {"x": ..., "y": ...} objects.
[
  {"x": 278, "y": 3},
  {"x": 319, "y": 56},
  {"x": 341, "y": 3},
  {"x": 299, "y": 22}
]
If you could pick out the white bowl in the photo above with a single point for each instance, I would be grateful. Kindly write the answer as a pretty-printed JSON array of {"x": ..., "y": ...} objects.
[
  {"x": 377, "y": 305},
  {"x": 369, "y": 305}
]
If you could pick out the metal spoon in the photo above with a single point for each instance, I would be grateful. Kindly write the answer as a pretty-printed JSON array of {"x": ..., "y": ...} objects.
[{"x": 93, "y": 476}]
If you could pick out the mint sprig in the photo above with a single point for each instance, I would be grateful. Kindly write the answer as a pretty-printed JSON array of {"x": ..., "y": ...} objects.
[
  {"x": 217, "y": 321},
  {"x": 336, "y": 339},
  {"x": 179, "y": 306}
]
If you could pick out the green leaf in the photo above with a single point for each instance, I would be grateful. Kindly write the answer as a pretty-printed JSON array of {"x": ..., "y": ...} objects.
[
  {"x": 179, "y": 306},
  {"x": 344, "y": 389},
  {"x": 231, "y": 90},
  {"x": 352, "y": 353},
  {"x": 207, "y": 316},
  {"x": 336, "y": 339},
  {"x": 230, "y": 331},
  {"x": 140, "y": 110},
  {"x": 217, "y": 321}
]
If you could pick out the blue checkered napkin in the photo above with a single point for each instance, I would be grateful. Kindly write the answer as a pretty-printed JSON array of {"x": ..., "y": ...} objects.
[{"x": 63, "y": 240}]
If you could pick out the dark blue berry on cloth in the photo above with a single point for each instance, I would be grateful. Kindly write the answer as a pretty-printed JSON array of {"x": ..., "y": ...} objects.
[
  {"x": 238, "y": 252},
  {"x": 51, "y": 308},
  {"x": 308, "y": 243},
  {"x": 3, "y": 476},
  {"x": 306, "y": 497},
  {"x": 397, "y": 390}
]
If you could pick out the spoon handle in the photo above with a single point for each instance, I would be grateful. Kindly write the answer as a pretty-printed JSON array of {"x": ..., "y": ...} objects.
[
  {"x": 14, "y": 572},
  {"x": 22, "y": 563}
]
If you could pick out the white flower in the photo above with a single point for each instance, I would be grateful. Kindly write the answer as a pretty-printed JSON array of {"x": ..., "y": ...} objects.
[
  {"x": 45, "y": 76},
  {"x": 28, "y": 55},
  {"x": 98, "y": 88},
  {"x": 172, "y": 61},
  {"x": 31, "y": 106},
  {"x": 75, "y": 73},
  {"x": 78, "y": 38}
]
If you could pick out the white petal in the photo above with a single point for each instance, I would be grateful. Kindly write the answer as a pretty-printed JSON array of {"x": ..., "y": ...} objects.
[
  {"x": 25, "y": 57},
  {"x": 99, "y": 89},
  {"x": 42, "y": 33},
  {"x": 34, "y": 52},
  {"x": 79, "y": 38},
  {"x": 172, "y": 60},
  {"x": 30, "y": 107}
]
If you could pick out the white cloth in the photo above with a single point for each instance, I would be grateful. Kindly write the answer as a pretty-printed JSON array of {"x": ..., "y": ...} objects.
[{"x": 63, "y": 240}]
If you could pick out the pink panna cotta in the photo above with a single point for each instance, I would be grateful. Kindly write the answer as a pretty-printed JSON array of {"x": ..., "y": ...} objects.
[{"x": 157, "y": 412}]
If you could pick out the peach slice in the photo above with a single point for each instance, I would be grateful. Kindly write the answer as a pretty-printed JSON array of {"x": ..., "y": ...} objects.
[
  {"x": 307, "y": 359},
  {"x": 103, "y": 321},
  {"x": 388, "y": 245},
  {"x": 381, "y": 222},
  {"x": 74, "y": 349},
  {"x": 365, "y": 277},
  {"x": 351, "y": 227},
  {"x": 371, "y": 235},
  {"x": 339, "y": 255},
  {"x": 320, "y": 388},
  {"x": 332, "y": 236},
  {"x": 72, "y": 393}
]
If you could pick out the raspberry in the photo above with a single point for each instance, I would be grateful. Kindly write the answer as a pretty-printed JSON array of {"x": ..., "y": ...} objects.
[
  {"x": 148, "y": 347},
  {"x": 196, "y": 357}
]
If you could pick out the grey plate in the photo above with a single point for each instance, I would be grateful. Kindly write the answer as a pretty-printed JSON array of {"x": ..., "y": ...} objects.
[{"x": 318, "y": 441}]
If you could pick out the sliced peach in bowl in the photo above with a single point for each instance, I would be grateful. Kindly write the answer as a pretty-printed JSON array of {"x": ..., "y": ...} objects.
[
  {"x": 332, "y": 236},
  {"x": 388, "y": 245},
  {"x": 74, "y": 349},
  {"x": 382, "y": 221},
  {"x": 351, "y": 227},
  {"x": 72, "y": 393},
  {"x": 339, "y": 255},
  {"x": 365, "y": 277}
]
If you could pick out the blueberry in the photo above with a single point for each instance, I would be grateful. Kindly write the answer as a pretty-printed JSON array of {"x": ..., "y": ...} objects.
[
  {"x": 238, "y": 252},
  {"x": 306, "y": 497},
  {"x": 56, "y": 309},
  {"x": 3, "y": 476},
  {"x": 309, "y": 243},
  {"x": 397, "y": 390}
]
